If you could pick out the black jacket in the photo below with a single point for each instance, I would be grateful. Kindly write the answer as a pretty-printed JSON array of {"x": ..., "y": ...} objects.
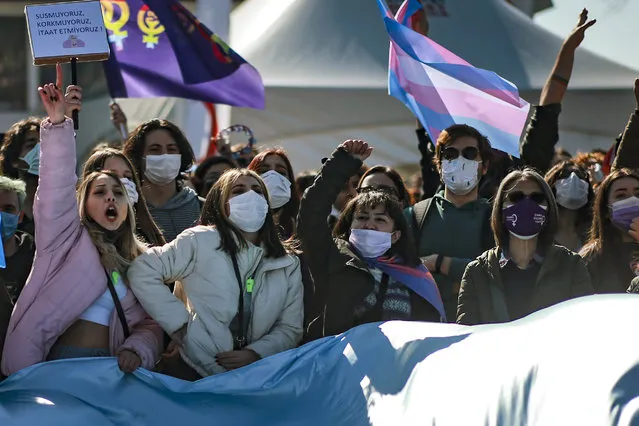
[{"x": 342, "y": 280}]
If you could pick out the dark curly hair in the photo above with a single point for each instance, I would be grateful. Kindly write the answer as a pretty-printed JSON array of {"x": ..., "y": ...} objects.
[{"x": 12, "y": 144}]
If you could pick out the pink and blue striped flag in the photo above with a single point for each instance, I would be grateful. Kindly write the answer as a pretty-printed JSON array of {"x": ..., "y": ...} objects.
[
  {"x": 442, "y": 89},
  {"x": 419, "y": 279}
]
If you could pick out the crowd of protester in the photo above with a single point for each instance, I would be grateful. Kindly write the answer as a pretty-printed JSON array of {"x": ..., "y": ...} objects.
[{"x": 196, "y": 271}]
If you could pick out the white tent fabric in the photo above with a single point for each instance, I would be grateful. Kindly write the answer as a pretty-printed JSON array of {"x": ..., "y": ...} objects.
[{"x": 324, "y": 63}]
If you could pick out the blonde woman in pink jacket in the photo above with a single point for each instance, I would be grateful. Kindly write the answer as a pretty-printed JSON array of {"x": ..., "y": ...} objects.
[{"x": 85, "y": 239}]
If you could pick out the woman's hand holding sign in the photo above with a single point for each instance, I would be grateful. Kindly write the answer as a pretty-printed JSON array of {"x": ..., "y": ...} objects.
[
  {"x": 56, "y": 105},
  {"x": 52, "y": 99}
]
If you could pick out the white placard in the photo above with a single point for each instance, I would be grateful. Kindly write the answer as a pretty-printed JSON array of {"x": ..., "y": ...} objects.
[{"x": 62, "y": 31}]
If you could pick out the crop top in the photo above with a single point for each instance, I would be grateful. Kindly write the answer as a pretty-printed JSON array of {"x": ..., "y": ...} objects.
[{"x": 100, "y": 311}]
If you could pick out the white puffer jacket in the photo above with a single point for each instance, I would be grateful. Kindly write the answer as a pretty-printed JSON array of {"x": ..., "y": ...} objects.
[{"x": 210, "y": 285}]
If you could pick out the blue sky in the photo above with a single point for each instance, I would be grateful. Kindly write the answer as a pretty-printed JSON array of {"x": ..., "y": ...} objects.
[{"x": 614, "y": 36}]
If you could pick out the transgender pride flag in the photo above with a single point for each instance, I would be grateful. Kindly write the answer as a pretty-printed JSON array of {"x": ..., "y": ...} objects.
[{"x": 442, "y": 89}]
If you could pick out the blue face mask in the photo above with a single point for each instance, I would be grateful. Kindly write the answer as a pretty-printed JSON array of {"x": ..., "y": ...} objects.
[
  {"x": 9, "y": 224},
  {"x": 32, "y": 158}
]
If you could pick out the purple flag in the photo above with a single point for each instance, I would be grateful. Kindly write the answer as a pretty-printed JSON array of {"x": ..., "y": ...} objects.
[{"x": 158, "y": 48}]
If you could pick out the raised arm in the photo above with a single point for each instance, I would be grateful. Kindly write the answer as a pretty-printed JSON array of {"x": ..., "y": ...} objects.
[
  {"x": 557, "y": 83},
  {"x": 628, "y": 151},
  {"x": 315, "y": 207},
  {"x": 542, "y": 133},
  {"x": 55, "y": 207},
  {"x": 430, "y": 177}
]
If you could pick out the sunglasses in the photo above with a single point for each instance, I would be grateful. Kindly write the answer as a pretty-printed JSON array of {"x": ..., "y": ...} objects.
[
  {"x": 469, "y": 153},
  {"x": 381, "y": 188},
  {"x": 516, "y": 196}
]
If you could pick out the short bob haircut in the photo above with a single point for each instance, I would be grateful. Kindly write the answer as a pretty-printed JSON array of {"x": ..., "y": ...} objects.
[
  {"x": 456, "y": 131},
  {"x": 12, "y": 144},
  {"x": 563, "y": 170},
  {"x": 603, "y": 233},
  {"x": 145, "y": 223},
  {"x": 400, "y": 187},
  {"x": 214, "y": 214},
  {"x": 134, "y": 146},
  {"x": 547, "y": 235},
  {"x": 404, "y": 248},
  {"x": 288, "y": 216}
]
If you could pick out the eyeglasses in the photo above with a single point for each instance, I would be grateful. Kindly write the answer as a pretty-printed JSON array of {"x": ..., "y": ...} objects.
[
  {"x": 469, "y": 153},
  {"x": 516, "y": 196},
  {"x": 381, "y": 188}
]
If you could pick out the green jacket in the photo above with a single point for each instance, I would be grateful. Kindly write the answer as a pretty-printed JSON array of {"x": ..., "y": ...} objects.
[
  {"x": 342, "y": 280},
  {"x": 482, "y": 300}
]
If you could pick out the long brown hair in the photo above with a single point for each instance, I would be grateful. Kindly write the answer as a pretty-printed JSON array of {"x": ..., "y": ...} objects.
[
  {"x": 404, "y": 247},
  {"x": 146, "y": 224},
  {"x": 117, "y": 249},
  {"x": 214, "y": 214},
  {"x": 287, "y": 219},
  {"x": 547, "y": 235},
  {"x": 603, "y": 233}
]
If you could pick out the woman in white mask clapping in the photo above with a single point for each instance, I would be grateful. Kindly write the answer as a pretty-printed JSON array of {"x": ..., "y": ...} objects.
[
  {"x": 574, "y": 196},
  {"x": 242, "y": 285},
  {"x": 370, "y": 271},
  {"x": 276, "y": 171},
  {"x": 161, "y": 154}
]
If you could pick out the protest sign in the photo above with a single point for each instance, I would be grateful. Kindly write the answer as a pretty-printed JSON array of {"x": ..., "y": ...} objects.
[
  {"x": 62, "y": 32},
  {"x": 67, "y": 32}
]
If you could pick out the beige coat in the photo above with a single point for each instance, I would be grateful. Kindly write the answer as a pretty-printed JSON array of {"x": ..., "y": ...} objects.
[{"x": 211, "y": 289}]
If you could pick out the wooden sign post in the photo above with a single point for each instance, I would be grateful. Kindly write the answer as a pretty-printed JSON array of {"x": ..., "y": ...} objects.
[{"x": 67, "y": 32}]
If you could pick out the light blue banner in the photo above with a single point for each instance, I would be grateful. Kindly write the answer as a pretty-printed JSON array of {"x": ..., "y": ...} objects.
[{"x": 574, "y": 364}]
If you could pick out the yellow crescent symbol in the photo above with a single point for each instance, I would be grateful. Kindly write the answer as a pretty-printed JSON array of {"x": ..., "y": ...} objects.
[
  {"x": 116, "y": 36},
  {"x": 151, "y": 27}
]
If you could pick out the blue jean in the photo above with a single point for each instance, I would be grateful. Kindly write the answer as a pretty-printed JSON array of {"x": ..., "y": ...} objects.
[{"x": 66, "y": 352}]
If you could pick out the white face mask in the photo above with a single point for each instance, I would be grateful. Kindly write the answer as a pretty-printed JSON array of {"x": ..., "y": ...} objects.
[
  {"x": 131, "y": 191},
  {"x": 248, "y": 211},
  {"x": 572, "y": 192},
  {"x": 370, "y": 243},
  {"x": 460, "y": 175},
  {"x": 279, "y": 188},
  {"x": 162, "y": 169}
]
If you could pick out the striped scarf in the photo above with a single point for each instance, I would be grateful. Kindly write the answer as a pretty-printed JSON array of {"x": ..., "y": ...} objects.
[{"x": 418, "y": 279}]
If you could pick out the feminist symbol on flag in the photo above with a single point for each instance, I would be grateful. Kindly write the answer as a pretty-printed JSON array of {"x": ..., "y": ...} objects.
[
  {"x": 116, "y": 36},
  {"x": 151, "y": 27},
  {"x": 221, "y": 50}
]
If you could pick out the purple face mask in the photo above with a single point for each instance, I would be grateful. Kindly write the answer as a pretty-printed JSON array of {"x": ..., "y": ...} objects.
[
  {"x": 624, "y": 211},
  {"x": 525, "y": 219}
]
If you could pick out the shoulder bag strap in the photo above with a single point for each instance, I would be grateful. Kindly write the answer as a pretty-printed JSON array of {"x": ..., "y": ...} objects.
[
  {"x": 240, "y": 339},
  {"x": 118, "y": 306},
  {"x": 420, "y": 211}
]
